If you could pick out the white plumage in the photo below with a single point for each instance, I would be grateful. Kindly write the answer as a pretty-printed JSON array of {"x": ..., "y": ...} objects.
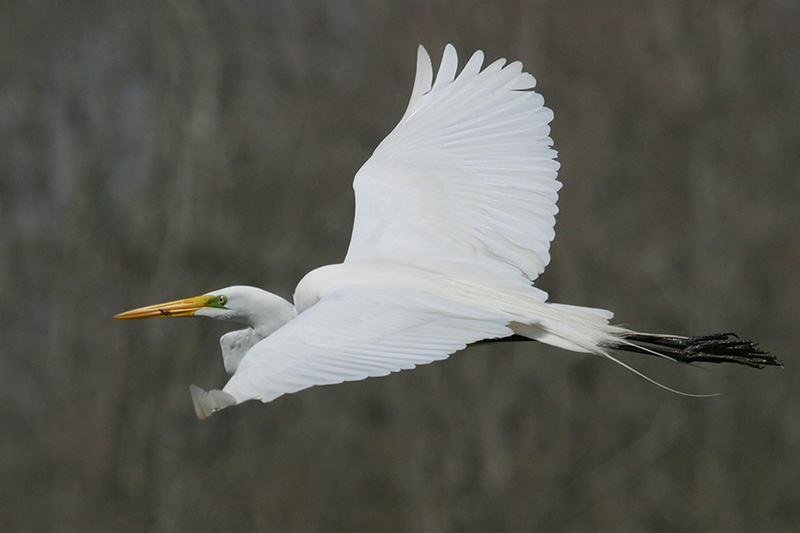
[
  {"x": 454, "y": 217},
  {"x": 455, "y": 212},
  {"x": 467, "y": 175}
]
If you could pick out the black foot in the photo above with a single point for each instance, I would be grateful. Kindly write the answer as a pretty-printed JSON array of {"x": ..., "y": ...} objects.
[{"x": 724, "y": 347}]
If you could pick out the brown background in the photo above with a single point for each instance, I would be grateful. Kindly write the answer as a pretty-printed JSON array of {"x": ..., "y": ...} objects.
[{"x": 155, "y": 150}]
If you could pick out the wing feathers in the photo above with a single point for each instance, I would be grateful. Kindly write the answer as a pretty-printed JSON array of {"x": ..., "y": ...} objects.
[
  {"x": 325, "y": 344},
  {"x": 468, "y": 172},
  {"x": 422, "y": 81},
  {"x": 447, "y": 69}
]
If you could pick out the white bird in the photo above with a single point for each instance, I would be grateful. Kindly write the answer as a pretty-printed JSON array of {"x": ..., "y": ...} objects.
[{"x": 455, "y": 212}]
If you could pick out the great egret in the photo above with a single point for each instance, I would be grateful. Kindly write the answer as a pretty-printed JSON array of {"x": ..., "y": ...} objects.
[{"x": 455, "y": 212}]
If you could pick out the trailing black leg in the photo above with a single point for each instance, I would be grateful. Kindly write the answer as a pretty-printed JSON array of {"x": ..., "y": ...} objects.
[{"x": 724, "y": 347}]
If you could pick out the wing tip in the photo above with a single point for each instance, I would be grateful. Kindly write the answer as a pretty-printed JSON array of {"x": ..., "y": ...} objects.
[
  {"x": 448, "y": 67},
  {"x": 207, "y": 403},
  {"x": 423, "y": 80}
]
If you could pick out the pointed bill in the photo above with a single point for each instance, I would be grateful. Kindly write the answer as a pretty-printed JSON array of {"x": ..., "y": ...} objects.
[{"x": 186, "y": 307}]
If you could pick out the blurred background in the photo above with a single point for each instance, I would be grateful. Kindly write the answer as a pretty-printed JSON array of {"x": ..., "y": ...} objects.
[{"x": 157, "y": 150}]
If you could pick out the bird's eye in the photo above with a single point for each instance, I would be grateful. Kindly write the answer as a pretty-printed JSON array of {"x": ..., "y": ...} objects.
[{"x": 222, "y": 299}]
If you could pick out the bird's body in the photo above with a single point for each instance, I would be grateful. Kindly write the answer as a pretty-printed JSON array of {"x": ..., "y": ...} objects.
[{"x": 455, "y": 212}]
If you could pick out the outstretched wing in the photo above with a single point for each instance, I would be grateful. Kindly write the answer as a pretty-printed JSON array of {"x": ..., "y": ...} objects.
[
  {"x": 467, "y": 176},
  {"x": 357, "y": 334}
]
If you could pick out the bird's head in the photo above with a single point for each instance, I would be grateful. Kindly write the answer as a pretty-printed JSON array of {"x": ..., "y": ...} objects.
[{"x": 247, "y": 305}]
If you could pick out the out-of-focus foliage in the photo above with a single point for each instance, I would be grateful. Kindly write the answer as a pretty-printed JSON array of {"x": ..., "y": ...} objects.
[{"x": 154, "y": 150}]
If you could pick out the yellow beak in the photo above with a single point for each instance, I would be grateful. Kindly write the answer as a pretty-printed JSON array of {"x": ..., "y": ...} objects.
[{"x": 187, "y": 307}]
